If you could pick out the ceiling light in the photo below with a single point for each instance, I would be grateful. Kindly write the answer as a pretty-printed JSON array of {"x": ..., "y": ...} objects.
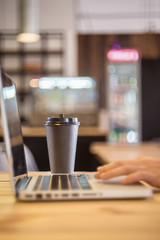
[{"x": 29, "y": 21}]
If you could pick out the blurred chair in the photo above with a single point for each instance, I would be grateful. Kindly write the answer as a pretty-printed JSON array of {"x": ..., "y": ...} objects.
[{"x": 30, "y": 161}]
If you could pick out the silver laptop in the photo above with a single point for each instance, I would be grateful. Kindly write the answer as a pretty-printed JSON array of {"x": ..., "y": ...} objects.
[{"x": 47, "y": 187}]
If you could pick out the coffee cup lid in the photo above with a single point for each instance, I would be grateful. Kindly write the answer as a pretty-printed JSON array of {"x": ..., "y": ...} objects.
[{"x": 61, "y": 120}]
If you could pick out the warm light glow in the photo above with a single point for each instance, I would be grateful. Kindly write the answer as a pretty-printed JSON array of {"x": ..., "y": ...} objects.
[
  {"x": 123, "y": 55},
  {"x": 28, "y": 37},
  {"x": 34, "y": 83}
]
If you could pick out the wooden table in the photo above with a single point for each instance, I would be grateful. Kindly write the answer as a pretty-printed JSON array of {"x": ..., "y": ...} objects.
[
  {"x": 109, "y": 153},
  {"x": 78, "y": 220}
]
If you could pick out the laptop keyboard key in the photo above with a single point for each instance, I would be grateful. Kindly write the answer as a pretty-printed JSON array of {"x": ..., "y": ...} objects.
[
  {"x": 45, "y": 182},
  {"x": 22, "y": 183},
  {"x": 36, "y": 186},
  {"x": 55, "y": 182},
  {"x": 83, "y": 181},
  {"x": 64, "y": 182},
  {"x": 73, "y": 182}
]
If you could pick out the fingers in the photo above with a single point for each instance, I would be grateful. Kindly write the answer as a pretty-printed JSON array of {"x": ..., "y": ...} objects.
[
  {"x": 116, "y": 172},
  {"x": 134, "y": 177},
  {"x": 140, "y": 176},
  {"x": 112, "y": 165},
  {"x": 116, "y": 164},
  {"x": 140, "y": 169},
  {"x": 105, "y": 168}
]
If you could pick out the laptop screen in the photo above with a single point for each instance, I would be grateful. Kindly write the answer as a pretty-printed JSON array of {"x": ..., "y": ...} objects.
[{"x": 12, "y": 125}]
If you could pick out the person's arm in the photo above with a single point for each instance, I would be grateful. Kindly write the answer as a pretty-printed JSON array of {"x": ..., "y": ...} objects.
[{"x": 141, "y": 169}]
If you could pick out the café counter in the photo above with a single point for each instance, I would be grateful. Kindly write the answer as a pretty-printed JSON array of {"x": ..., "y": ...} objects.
[{"x": 83, "y": 131}]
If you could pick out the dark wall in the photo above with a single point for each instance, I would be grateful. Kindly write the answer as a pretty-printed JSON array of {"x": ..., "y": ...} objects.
[{"x": 150, "y": 99}]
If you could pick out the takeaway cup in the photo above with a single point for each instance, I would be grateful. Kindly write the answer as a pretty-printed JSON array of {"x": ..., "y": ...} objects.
[{"x": 61, "y": 134}]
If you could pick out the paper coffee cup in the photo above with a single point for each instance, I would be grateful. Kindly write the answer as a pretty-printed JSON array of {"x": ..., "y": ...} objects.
[{"x": 62, "y": 136}]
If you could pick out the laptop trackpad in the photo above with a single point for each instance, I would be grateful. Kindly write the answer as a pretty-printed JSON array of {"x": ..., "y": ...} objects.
[{"x": 115, "y": 180}]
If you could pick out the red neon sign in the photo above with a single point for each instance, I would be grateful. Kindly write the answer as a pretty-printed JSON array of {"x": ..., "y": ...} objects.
[{"x": 122, "y": 55}]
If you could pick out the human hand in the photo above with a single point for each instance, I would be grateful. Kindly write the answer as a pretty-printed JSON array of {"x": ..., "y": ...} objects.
[{"x": 141, "y": 169}]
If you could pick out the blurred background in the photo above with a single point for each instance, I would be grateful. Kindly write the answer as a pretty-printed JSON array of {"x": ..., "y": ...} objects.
[{"x": 73, "y": 38}]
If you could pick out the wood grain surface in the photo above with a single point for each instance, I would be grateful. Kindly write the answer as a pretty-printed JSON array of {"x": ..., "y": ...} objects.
[{"x": 77, "y": 220}]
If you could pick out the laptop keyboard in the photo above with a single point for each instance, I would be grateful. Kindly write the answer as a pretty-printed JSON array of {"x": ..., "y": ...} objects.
[{"x": 56, "y": 182}]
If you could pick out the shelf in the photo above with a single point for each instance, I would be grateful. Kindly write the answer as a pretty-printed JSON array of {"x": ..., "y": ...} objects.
[
  {"x": 48, "y": 55},
  {"x": 31, "y": 52},
  {"x": 43, "y": 72},
  {"x": 23, "y": 62}
]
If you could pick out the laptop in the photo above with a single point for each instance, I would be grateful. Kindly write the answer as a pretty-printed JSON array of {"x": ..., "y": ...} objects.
[{"x": 51, "y": 187}]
